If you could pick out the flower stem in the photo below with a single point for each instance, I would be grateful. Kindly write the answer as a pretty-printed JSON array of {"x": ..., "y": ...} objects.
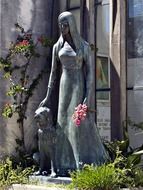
[{"x": 91, "y": 110}]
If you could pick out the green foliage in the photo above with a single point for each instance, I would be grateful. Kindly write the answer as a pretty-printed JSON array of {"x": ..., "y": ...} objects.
[
  {"x": 15, "y": 89},
  {"x": 122, "y": 172},
  {"x": 127, "y": 159},
  {"x": 7, "y": 110},
  {"x": 5, "y": 64},
  {"x": 119, "y": 146},
  {"x": 104, "y": 177},
  {"x": 24, "y": 160},
  {"x": 138, "y": 177},
  {"x": 9, "y": 175},
  {"x": 131, "y": 159}
]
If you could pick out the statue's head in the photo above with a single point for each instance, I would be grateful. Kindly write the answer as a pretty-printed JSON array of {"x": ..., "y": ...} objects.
[
  {"x": 64, "y": 25},
  {"x": 43, "y": 117},
  {"x": 67, "y": 20}
]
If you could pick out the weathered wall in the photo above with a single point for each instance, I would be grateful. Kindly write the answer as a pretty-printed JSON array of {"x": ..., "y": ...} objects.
[
  {"x": 118, "y": 67},
  {"x": 41, "y": 18}
]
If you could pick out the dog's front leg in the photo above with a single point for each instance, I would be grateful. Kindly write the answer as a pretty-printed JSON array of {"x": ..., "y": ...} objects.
[{"x": 53, "y": 163}]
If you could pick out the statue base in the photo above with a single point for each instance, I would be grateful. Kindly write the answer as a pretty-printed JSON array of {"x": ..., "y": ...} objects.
[{"x": 47, "y": 179}]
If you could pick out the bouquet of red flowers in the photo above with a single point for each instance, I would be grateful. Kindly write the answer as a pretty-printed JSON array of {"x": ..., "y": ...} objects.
[{"x": 79, "y": 114}]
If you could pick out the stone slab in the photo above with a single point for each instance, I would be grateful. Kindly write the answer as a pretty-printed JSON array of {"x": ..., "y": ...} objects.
[
  {"x": 37, "y": 187},
  {"x": 33, "y": 187},
  {"x": 46, "y": 179},
  {"x": 139, "y": 188}
]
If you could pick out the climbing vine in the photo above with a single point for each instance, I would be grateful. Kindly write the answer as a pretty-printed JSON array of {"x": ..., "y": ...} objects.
[{"x": 26, "y": 48}]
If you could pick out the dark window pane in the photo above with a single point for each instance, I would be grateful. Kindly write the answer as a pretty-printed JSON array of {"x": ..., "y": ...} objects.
[
  {"x": 102, "y": 78},
  {"x": 74, "y": 3},
  {"x": 135, "y": 28}
]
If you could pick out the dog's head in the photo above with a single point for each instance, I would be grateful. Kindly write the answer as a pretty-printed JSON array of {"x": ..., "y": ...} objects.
[{"x": 43, "y": 117}]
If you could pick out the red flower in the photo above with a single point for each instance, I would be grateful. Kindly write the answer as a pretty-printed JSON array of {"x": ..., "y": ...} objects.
[
  {"x": 79, "y": 114},
  {"x": 40, "y": 39},
  {"x": 23, "y": 43}
]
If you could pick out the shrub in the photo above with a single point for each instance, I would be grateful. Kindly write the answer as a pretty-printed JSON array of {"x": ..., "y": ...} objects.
[
  {"x": 122, "y": 172},
  {"x": 138, "y": 177},
  {"x": 9, "y": 175},
  {"x": 104, "y": 177}
]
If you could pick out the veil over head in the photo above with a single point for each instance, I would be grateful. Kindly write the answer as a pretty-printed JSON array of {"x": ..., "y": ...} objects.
[{"x": 73, "y": 28}]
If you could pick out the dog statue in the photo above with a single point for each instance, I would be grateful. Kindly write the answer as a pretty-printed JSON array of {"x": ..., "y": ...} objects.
[{"x": 46, "y": 140}]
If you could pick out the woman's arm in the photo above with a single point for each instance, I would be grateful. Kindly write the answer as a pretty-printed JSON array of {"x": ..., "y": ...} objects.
[{"x": 51, "y": 78}]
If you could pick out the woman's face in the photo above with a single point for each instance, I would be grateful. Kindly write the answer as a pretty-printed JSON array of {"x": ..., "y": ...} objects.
[{"x": 64, "y": 26}]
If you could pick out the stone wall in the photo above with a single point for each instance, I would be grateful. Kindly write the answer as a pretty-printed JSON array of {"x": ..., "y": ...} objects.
[{"x": 41, "y": 18}]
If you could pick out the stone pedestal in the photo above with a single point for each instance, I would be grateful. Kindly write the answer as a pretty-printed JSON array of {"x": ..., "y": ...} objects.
[{"x": 46, "y": 179}]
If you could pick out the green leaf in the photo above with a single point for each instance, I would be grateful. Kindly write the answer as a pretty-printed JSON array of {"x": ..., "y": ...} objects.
[
  {"x": 133, "y": 160},
  {"x": 7, "y": 75},
  {"x": 138, "y": 152}
]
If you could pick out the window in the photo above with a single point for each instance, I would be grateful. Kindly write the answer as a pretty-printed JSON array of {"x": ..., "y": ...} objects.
[
  {"x": 74, "y": 7},
  {"x": 103, "y": 70},
  {"x": 135, "y": 28},
  {"x": 74, "y": 3},
  {"x": 135, "y": 68},
  {"x": 102, "y": 78}
]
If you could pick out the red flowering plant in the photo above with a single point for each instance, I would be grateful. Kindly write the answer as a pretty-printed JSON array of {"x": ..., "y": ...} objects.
[
  {"x": 26, "y": 47},
  {"x": 79, "y": 114},
  {"x": 45, "y": 41},
  {"x": 22, "y": 46}
]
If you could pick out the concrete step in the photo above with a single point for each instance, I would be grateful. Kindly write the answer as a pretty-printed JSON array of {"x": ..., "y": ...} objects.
[
  {"x": 42, "y": 187},
  {"x": 47, "y": 179},
  {"x": 33, "y": 187},
  {"x": 44, "y": 182}
]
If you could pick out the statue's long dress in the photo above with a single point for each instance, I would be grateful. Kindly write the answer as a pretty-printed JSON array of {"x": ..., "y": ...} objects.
[{"x": 75, "y": 145}]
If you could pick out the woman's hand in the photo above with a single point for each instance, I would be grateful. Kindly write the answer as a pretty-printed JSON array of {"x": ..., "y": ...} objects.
[
  {"x": 44, "y": 103},
  {"x": 86, "y": 102}
]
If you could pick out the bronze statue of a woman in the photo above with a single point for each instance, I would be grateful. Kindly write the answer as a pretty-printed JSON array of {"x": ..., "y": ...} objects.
[{"x": 75, "y": 145}]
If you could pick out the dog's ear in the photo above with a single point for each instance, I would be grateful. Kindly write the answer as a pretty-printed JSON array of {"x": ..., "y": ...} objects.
[{"x": 45, "y": 113}]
